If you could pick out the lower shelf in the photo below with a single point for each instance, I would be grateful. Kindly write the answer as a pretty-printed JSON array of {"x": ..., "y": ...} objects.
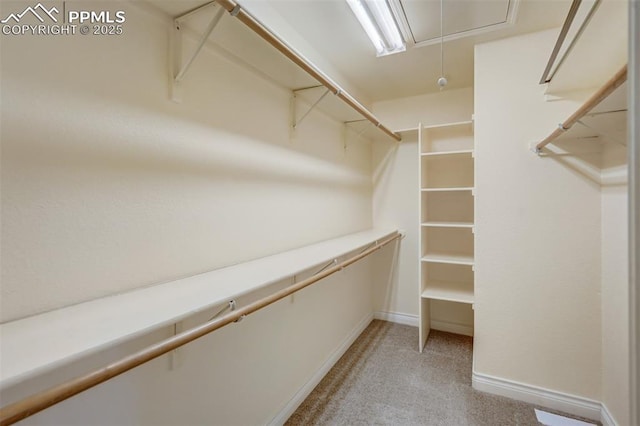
[
  {"x": 31, "y": 346},
  {"x": 449, "y": 291}
]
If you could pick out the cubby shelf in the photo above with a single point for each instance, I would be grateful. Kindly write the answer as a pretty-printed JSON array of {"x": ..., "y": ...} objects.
[
  {"x": 448, "y": 224},
  {"x": 446, "y": 228},
  {"x": 454, "y": 259},
  {"x": 444, "y": 153},
  {"x": 464, "y": 188},
  {"x": 449, "y": 291}
]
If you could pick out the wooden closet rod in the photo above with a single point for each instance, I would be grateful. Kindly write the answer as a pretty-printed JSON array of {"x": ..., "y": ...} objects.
[
  {"x": 611, "y": 85},
  {"x": 35, "y": 403},
  {"x": 246, "y": 18}
]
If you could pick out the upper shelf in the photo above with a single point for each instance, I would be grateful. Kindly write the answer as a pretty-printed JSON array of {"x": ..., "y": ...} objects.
[
  {"x": 31, "y": 346},
  {"x": 593, "y": 53},
  {"x": 243, "y": 38}
]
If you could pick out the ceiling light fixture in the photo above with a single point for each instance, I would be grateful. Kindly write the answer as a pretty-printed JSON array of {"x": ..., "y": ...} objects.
[
  {"x": 442, "y": 81},
  {"x": 376, "y": 18}
]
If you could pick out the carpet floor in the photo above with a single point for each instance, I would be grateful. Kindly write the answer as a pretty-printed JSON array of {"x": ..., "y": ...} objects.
[{"x": 383, "y": 380}]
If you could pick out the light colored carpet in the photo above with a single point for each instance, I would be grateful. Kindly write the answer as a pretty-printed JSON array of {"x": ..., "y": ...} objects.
[{"x": 384, "y": 380}]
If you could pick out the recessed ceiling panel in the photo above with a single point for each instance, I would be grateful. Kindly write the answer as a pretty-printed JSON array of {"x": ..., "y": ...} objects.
[{"x": 459, "y": 16}]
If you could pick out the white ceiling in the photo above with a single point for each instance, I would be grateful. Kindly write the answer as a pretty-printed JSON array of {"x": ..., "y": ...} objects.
[{"x": 333, "y": 30}]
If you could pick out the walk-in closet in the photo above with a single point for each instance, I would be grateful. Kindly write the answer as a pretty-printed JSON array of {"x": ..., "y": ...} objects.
[{"x": 270, "y": 212}]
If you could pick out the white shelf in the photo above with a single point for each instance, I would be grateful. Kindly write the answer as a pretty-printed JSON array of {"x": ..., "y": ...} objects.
[
  {"x": 449, "y": 291},
  {"x": 32, "y": 346},
  {"x": 448, "y": 224},
  {"x": 454, "y": 259},
  {"x": 449, "y": 125},
  {"x": 447, "y": 171},
  {"x": 408, "y": 131},
  {"x": 444, "y": 153},
  {"x": 264, "y": 53},
  {"x": 465, "y": 188}
]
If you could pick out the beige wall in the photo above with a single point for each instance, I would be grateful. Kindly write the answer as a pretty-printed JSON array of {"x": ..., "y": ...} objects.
[
  {"x": 107, "y": 186},
  {"x": 447, "y": 106},
  {"x": 396, "y": 186},
  {"x": 615, "y": 289},
  {"x": 538, "y": 306}
]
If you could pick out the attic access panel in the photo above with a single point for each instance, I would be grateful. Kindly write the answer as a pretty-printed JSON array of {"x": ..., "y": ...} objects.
[{"x": 461, "y": 18}]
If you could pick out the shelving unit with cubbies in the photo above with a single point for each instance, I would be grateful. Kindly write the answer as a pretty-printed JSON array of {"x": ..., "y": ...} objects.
[{"x": 446, "y": 276}]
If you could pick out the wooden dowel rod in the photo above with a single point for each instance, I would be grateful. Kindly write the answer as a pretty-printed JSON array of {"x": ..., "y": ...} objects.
[
  {"x": 33, "y": 404},
  {"x": 287, "y": 51},
  {"x": 614, "y": 82}
]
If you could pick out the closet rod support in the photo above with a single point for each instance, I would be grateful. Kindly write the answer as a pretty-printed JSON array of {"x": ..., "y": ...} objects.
[
  {"x": 613, "y": 111},
  {"x": 297, "y": 122},
  {"x": 603, "y": 135},
  {"x": 230, "y": 306},
  {"x": 333, "y": 262},
  {"x": 203, "y": 39},
  {"x": 302, "y": 89},
  {"x": 194, "y": 11}
]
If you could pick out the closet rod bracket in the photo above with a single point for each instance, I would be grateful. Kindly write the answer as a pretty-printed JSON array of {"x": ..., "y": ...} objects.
[
  {"x": 533, "y": 147},
  {"x": 295, "y": 120},
  {"x": 180, "y": 68}
]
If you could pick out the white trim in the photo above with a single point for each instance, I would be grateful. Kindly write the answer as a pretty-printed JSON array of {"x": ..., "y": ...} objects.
[
  {"x": 397, "y": 317},
  {"x": 452, "y": 327},
  {"x": 606, "y": 418},
  {"x": 554, "y": 400},
  {"x": 306, "y": 389}
]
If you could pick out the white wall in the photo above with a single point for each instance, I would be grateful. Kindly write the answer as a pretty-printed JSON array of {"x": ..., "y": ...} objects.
[
  {"x": 107, "y": 186},
  {"x": 396, "y": 191},
  {"x": 615, "y": 290},
  {"x": 447, "y": 106},
  {"x": 537, "y": 232}
]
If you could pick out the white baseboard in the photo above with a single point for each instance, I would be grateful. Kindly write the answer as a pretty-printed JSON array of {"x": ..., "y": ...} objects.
[
  {"x": 606, "y": 418},
  {"x": 397, "y": 317},
  {"x": 306, "y": 389},
  {"x": 451, "y": 327},
  {"x": 553, "y": 400}
]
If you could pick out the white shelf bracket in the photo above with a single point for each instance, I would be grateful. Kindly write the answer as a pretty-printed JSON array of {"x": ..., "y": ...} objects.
[
  {"x": 347, "y": 124},
  {"x": 180, "y": 68},
  {"x": 603, "y": 135},
  {"x": 230, "y": 306},
  {"x": 295, "y": 122}
]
